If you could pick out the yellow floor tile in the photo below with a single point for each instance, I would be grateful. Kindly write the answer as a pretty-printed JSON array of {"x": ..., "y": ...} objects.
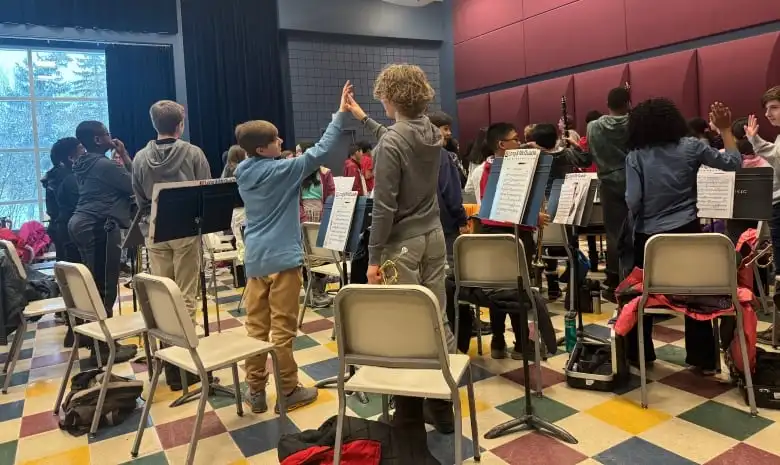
[
  {"x": 50, "y": 444},
  {"x": 628, "y": 416},
  {"x": 42, "y": 388},
  {"x": 78, "y": 456}
]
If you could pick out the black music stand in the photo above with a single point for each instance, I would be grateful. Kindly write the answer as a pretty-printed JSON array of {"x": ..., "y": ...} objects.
[{"x": 192, "y": 209}]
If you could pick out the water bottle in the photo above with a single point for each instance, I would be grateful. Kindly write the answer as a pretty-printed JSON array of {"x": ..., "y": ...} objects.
[{"x": 570, "y": 332}]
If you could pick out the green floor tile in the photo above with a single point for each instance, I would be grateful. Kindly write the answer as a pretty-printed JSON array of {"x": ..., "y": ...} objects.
[
  {"x": 672, "y": 354},
  {"x": 304, "y": 342},
  {"x": 726, "y": 420},
  {"x": 325, "y": 312},
  {"x": 372, "y": 408},
  {"x": 8, "y": 452},
  {"x": 546, "y": 408},
  {"x": 221, "y": 400},
  {"x": 155, "y": 459}
]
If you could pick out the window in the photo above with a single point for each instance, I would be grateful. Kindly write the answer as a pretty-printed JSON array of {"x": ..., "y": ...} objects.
[{"x": 44, "y": 95}]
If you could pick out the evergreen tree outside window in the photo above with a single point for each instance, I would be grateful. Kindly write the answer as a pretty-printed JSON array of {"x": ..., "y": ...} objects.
[{"x": 44, "y": 95}]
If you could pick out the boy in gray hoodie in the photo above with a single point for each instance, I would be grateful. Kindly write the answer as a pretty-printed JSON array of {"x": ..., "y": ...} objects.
[
  {"x": 170, "y": 159},
  {"x": 406, "y": 226}
]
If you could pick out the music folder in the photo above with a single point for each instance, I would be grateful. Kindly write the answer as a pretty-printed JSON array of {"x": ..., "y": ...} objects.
[
  {"x": 753, "y": 194},
  {"x": 534, "y": 203},
  {"x": 361, "y": 220},
  {"x": 555, "y": 196}
]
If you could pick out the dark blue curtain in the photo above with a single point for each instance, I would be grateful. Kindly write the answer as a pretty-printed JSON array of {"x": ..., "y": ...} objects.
[
  {"x": 158, "y": 16},
  {"x": 137, "y": 76},
  {"x": 234, "y": 70}
]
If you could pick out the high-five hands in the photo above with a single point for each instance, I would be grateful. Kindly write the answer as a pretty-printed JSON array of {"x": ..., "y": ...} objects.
[
  {"x": 345, "y": 93},
  {"x": 751, "y": 128},
  {"x": 720, "y": 116},
  {"x": 354, "y": 107}
]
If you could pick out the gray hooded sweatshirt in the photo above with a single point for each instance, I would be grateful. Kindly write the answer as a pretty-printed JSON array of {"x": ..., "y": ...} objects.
[
  {"x": 607, "y": 142},
  {"x": 406, "y": 169},
  {"x": 166, "y": 160}
]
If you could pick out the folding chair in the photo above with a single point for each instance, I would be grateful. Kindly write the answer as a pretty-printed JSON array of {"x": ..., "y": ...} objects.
[
  {"x": 312, "y": 256},
  {"x": 216, "y": 251},
  {"x": 395, "y": 334},
  {"x": 491, "y": 261},
  {"x": 692, "y": 264},
  {"x": 83, "y": 301},
  {"x": 32, "y": 310},
  {"x": 168, "y": 321}
]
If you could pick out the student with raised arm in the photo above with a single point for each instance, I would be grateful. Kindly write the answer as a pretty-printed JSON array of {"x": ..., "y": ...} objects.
[{"x": 271, "y": 190}]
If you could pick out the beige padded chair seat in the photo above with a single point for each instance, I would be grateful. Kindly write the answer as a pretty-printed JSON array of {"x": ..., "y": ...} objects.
[
  {"x": 44, "y": 307},
  {"x": 226, "y": 256},
  {"x": 330, "y": 269},
  {"x": 216, "y": 351},
  {"x": 120, "y": 327},
  {"x": 407, "y": 382}
]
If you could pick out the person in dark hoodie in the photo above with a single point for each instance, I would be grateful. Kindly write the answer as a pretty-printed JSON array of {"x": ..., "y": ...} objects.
[
  {"x": 608, "y": 142},
  {"x": 62, "y": 195},
  {"x": 102, "y": 209},
  {"x": 406, "y": 226}
]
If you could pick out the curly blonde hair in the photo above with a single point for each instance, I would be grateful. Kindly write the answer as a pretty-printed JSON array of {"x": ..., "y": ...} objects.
[{"x": 406, "y": 87}]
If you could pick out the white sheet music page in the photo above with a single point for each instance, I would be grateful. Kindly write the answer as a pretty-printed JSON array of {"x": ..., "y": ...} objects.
[
  {"x": 340, "y": 221},
  {"x": 574, "y": 193},
  {"x": 514, "y": 185},
  {"x": 343, "y": 183},
  {"x": 715, "y": 193}
]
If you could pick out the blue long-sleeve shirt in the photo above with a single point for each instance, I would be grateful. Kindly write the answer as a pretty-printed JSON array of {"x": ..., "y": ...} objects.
[
  {"x": 661, "y": 182},
  {"x": 451, "y": 210},
  {"x": 271, "y": 191}
]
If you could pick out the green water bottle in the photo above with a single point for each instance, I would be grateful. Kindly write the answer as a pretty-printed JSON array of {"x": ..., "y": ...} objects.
[{"x": 570, "y": 331}]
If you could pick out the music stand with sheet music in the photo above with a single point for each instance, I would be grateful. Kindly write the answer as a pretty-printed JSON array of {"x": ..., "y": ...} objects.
[
  {"x": 357, "y": 226},
  {"x": 529, "y": 216},
  {"x": 191, "y": 209}
]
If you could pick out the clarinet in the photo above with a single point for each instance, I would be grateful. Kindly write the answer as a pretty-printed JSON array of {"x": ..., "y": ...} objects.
[{"x": 565, "y": 119}]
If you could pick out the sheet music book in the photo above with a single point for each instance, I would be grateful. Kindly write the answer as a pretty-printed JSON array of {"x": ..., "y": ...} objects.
[
  {"x": 715, "y": 193},
  {"x": 340, "y": 221},
  {"x": 514, "y": 185},
  {"x": 343, "y": 183},
  {"x": 575, "y": 202}
]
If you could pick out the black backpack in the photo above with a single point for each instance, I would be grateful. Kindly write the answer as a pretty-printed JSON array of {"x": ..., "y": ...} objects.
[{"x": 81, "y": 402}]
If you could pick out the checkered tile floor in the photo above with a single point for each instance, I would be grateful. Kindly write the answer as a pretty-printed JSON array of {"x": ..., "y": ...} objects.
[{"x": 692, "y": 420}]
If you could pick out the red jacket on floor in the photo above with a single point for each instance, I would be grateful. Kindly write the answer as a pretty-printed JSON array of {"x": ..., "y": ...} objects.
[{"x": 358, "y": 452}]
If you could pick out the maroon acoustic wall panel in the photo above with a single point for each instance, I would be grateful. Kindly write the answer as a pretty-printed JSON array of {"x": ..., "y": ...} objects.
[
  {"x": 737, "y": 73},
  {"x": 473, "y": 113},
  {"x": 535, "y": 7},
  {"x": 473, "y": 18},
  {"x": 653, "y": 23},
  {"x": 574, "y": 34},
  {"x": 544, "y": 100},
  {"x": 510, "y": 106},
  {"x": 591, "y": 90},
  {"x": 489, "y": 59},
  {"x": 672, "y": 76}
]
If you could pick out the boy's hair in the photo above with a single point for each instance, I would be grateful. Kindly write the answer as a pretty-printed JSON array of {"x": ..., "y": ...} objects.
[
  {"x": 528, "y": 132},
  {"x": 738, "y": 128},
  {"x": 452, "y": 145},
  {"x": 478, "y": 151},
  {"x": 254, "y": 135},
  {"x": 770, "y": 95},
  {"x": 496, "y": 133},
  {"x": 86, "y": 132},
  {"x": 592, "y": 115},
  {"x": 545, "y": 136},
  {"x": 698, "y": 127},
  {"x": 354, "y": 148},
  {"x": 406, "y": 87},
  {"x": 654, "y": 123},
  {"x": 305, "y": 145},
  {"x": 619, "y": 99},
  {"x": 166, "y": 115},
  {"x": 235, "y": 155},
  {"x": 62, "y": 150},
  {"x": 439, "y": 118},
  {"x": 365, "y": 146}
]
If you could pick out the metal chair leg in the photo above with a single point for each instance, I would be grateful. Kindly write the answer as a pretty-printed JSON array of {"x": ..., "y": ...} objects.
[
  {"x": 745, "y": 361},
  {"x": 204, "y": 395},
  {"x": 478, "y": 326},
  {"x": 642, "y": 367},
  {"x": 306, "y": 301},
  {"x": 103, "y": 388},
  {"x": 18, "y": 337},
  {"x": 538, "y": 355},
  {"x": 473, "y": 415},
  {"x": 13, "y": 354},
  {"x": 216, "y": 292},
  {"x": 280, "y": 398},
  {"x": 71, "y": 360},
  {"x": 386, "y": 408},
  {"x": 458, "y": 427},
  {"x": 147, "y": 407},
  {"x": 237, "y": 386}
]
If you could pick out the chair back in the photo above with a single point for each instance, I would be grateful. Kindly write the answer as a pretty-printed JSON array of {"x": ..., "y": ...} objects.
[
  {"x": 555, "y": 235},
  {"x": 488, "y": 260},
  {"x": 79, "y": 291},
  {"x": 10, "y": 250},
  {"x": 211, "y": 242},
  {"x": 396, "y": 326},
  {"x": 310, "y": 232},
  {"x": 763, "y": 233},
  {"x": 162, "y": 307},
  {"x": 690, "y": 264}
]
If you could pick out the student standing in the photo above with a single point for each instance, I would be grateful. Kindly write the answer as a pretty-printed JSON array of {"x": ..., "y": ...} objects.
[
  {"x": 353, "y": 169},
  {"x": 271, "y": 191},
  {"x": 62, "y": 195},
  {"x": 102, "y": 209},
  {"x": 367, "y": 164}
]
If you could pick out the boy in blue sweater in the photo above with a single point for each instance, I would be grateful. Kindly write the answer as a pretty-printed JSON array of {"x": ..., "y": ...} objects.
[{"x": 270, "y": 189}]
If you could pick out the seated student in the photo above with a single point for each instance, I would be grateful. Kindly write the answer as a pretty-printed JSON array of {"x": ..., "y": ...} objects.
[
  {"x": 661, "y": 169},
  {"x": 566, "y": 159},
  {"x": 354, "y": 170},
  {"x": 271, "y": 189}
]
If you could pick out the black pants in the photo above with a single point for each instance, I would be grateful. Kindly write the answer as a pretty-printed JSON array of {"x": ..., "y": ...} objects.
[
  {"x": 615, "y": 209},
  {"x": 593, "y": 253},
  {"x": 699, "y": 338},
  {"x": 99, "y": 242},
  {"x": 774, "y": 227}
]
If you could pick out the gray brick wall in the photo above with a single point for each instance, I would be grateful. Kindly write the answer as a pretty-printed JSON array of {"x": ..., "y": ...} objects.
[{"x": 319, "y": 68}]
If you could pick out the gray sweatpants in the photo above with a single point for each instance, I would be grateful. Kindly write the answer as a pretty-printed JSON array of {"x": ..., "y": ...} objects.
[{"x": 423, "y": 263}]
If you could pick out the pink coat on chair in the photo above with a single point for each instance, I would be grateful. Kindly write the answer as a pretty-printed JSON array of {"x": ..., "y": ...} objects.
[{"x": 33, "y": 240}]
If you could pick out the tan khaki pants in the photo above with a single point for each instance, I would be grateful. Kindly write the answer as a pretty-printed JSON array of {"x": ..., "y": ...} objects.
[
  {"x": 178, "y": 259},
  {"x": 272, "y": 304}
]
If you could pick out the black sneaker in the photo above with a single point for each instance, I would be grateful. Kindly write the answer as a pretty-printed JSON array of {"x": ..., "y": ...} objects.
[{"x": 439, "y": 414}]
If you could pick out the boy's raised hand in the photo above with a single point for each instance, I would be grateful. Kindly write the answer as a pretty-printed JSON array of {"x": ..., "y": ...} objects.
[
  {"x": 751, "y": 129},
  {"x": 343, "y": 107}
]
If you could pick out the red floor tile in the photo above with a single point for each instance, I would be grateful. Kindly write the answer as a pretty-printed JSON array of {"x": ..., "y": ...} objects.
[
  {"x": 549, "y": 377},
  {"x": 537, "y": 449},
  {"x": 708, "y": 387},
  {"x": 668, "y": 335},
  {"x": 316, "y": 326},
  {"x": 229, "y": 323},
  {"x": 38, "y": 423},
  {"x": 179, "y": 432},
  {"x": 744, "y": 454}
]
